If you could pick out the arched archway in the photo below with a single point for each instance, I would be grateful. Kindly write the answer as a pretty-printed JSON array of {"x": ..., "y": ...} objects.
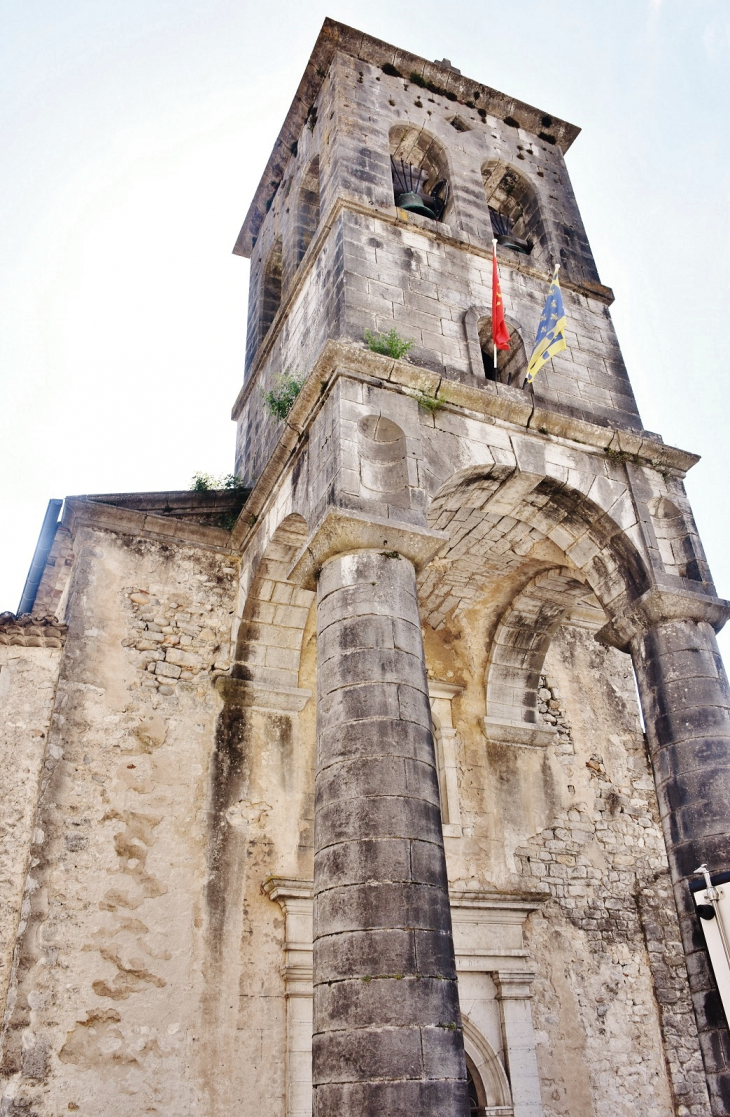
[
  {"x": 518, "y": 651},
  {"x": 271, "y": 288},
  {"x": 307, "y": 209},
  {"x": 488, "y": 1075},
  {"x": 511, "y": 363},
  {"x": 503, "y": 522},
  {"x": 269, "y": 642}
]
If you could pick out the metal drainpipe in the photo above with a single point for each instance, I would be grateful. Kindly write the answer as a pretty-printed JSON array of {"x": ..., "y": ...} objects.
[{"x": 40, "y": 556}]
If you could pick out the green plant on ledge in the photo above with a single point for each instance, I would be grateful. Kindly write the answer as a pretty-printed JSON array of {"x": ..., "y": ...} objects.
[
  {"x": 390, "y": 344},
  {"x": 429, "y": 403},
  {"x": 280, "y": 400},
  {"x": 207, "y": 482}
]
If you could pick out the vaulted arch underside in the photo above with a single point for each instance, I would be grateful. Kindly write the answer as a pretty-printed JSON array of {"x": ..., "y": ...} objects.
[
  {"x": 505, "y": 528},
  {"x": 269, "y": 642}
]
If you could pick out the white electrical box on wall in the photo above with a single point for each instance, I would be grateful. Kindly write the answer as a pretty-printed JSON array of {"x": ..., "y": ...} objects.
[{"x": 712, "y": 900}]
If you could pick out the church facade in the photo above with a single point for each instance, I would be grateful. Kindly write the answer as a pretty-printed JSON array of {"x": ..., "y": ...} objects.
[{"x": 378, "y": 786}]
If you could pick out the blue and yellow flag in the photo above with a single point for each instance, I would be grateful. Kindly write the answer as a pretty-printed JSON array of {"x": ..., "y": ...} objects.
[{"x": 551, "y": 331}]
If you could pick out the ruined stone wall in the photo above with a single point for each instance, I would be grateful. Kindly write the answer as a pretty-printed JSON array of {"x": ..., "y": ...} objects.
[
  {"x": 28, "y": 677},
  {"x": 105, "y": 1001}
]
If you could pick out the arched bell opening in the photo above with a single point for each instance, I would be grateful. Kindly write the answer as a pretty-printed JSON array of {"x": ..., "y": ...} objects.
[
  {"x": 420, "y": 172},
  {"x": 307, "y": 209},
  {"x": 514, "y": 211},
  {"x": 267, "y": 650},
  {"x": 511, "y": 363},
  {"x": 271, "y": 289}
]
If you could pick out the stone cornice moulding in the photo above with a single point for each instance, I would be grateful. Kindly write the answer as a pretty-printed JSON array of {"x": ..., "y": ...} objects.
[
  {"x": 438, "y": 233},
  {"x": 497, "y": 401},
  {"x": 519, "y": 903},
  {"x": 660, "y": 606},
  {"x": 80, "y": 511}
]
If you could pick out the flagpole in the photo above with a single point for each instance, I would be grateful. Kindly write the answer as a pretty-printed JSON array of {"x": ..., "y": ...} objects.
[{"x": 494, "y": 344}]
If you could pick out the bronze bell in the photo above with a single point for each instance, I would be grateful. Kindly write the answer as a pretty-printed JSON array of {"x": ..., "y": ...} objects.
[{"x": 415, "y": 203}]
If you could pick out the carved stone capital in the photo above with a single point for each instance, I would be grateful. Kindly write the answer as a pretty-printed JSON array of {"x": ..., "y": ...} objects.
[
  {"x": 659, "y": 606},
  {"x": 342, "y": 530}
]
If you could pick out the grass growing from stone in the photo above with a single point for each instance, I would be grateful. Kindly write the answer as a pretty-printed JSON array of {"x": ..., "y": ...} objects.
[
  {"x": 390, "y": 344},
  {"x": 280, "y": 400},
  {"x": 429, "y": 403},
  {"x": 207, "y": 482}
]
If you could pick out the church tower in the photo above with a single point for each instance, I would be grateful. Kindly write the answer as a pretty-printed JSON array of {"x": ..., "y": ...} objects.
[{"x": 338, "y": 798}]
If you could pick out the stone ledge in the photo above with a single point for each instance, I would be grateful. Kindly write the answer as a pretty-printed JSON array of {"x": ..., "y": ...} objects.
[
  {"x": 90, "y": 511},
  {"x": 519, "y": 733},
  {"x": 658, "y": 606},
  {"x": 242, "y": 692}
]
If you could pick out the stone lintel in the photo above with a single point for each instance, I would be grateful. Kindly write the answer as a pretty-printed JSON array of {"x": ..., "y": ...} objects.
[
  {"x": 518, "y": 733},
  {"x": 245, "y": 692},
  {"x": 83, "y": 511},
  {"x": 341, "y": 531},
  {"x": 658, "y": 606}
]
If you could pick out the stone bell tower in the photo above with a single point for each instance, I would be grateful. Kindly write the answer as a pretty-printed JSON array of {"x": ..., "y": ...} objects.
[
  {"x": 331, "y": 794},
  {"x": 436, "y": 492}
]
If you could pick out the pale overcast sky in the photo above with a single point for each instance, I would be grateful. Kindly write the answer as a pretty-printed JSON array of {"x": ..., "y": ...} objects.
[{"x": 133, "y": 134}]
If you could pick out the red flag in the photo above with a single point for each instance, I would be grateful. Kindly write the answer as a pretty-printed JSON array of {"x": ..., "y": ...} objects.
[{"x": 500, "y": 333}]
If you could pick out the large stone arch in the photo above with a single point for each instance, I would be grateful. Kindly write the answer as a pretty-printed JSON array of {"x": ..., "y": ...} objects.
[
  {"x": 505, "y": 521},
  {"x": 269, "y": 642}
]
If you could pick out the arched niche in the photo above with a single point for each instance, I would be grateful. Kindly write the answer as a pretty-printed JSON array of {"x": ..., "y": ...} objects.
[
  {"x": 490, "y": 1079},
  {"x": 307, "y": 211},
  {"x": 518, "y": 651},
  {"x": 511, "y": 363},
  {"x": 271, "y": 288},
  {"x": 419, "y": 166},
  {"x": 515, "y": 212},
  {"x": 269, "y": 642},
  {"x": 383, "y": 461}
]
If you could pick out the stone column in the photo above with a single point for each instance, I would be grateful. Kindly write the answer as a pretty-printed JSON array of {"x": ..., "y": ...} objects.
[
  {"x": 686, "y": 703},
  {"x": 518, "y": 1037},
  {"x": 387, "y": 1029}
]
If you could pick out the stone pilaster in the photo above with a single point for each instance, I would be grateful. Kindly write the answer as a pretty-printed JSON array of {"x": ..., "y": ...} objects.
[
  {"x": 387, "y": 1029},
  {"x": 515, "y": 1010},
  {"x": 686, "y": 704}
]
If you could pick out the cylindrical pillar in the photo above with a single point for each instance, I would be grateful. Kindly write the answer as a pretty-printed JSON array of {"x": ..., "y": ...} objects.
[
  {"x": 686, "y": 703},
  {"x": 387, "y": 1029}
]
